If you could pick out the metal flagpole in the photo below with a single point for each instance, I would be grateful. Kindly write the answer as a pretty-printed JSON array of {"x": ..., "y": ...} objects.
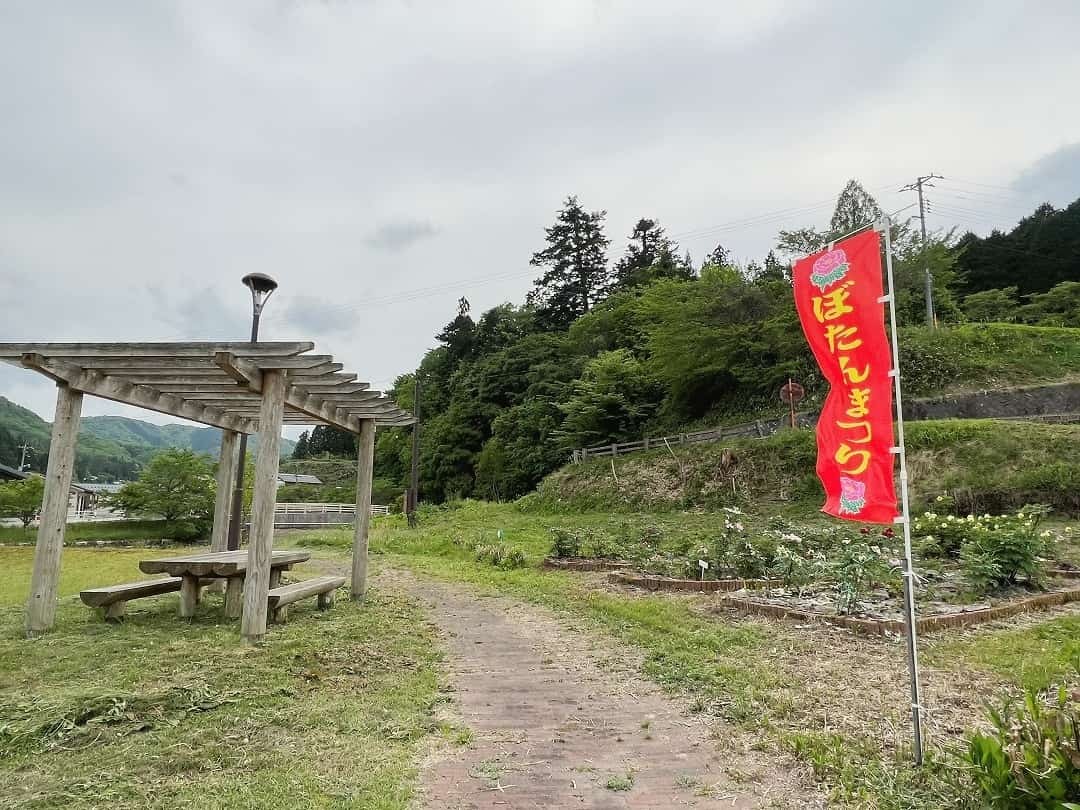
[{"x": 905, "y": 518}]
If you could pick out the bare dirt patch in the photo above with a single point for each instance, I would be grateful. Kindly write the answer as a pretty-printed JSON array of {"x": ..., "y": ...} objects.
[{"x": 563, "y": 719}]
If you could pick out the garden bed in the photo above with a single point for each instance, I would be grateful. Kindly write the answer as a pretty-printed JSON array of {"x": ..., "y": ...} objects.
[
  {"x": 585, "y": 564},
  {"x": 934, "y": 615},
  {"x": 652, "y": 583}
]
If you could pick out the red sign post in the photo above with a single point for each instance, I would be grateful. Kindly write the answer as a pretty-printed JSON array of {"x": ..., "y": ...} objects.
[{"x": 838, "y": 294}]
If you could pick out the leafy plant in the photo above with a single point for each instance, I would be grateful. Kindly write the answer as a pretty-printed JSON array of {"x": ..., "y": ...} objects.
[
  {"x": 1031, "y": 761},
  {"x": 858, "y": 566},
  {"x": 500, "y": 556},
  {"x": 22, "y": 499},
  {"x": 176, "y": 484},
  {"x": 1000, "y": 551},
  {"x": 565, "y": 543}
]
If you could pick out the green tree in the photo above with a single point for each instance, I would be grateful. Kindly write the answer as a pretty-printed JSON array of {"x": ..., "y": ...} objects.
[
  {"x": 1060, "y": 306},
  {"x": 301, "y": 450},
  {"x": 991, "y": 306},
  {"x": 612, "y": 401},
  {"x": 910, "y": 261},
  {"x": 576, "y": 274},
  {"x": 22, "y": 499},
  {"x": 1042, "y": 251},
  {"x": 650, "y": 255},
  {"x": 176, "y": 484},
  {"x": 855, "y": 208}
]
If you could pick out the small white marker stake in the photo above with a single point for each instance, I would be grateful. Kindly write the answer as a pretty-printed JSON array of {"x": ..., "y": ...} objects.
[{"x": 704, "y": 565}]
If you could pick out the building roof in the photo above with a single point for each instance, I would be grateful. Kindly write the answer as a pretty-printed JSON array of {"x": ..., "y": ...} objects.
[
  {"x": 11, "y": 474},
  {"x": 291, "y": 478}
]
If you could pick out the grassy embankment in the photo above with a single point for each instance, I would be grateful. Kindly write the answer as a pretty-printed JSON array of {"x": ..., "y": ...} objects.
[
  {"x": 950, "y": 360},
  {"x": 987, "y": 466},
  {"x": 331, "y": 712},
  {"x": 133, "y": 530},
  {"x": 834, "y": 700}
]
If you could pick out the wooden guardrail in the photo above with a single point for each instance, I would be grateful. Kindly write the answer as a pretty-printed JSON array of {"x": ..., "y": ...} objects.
[{"x": 759, "y": 428}]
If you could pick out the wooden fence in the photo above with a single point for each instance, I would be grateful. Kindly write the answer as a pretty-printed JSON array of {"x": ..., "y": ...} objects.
[
  {"x": 759, "y": 428},
  {"x": 303, "y": 515}
]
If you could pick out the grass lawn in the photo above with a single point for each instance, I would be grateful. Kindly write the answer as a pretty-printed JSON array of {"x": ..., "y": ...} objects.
[
  {"x": 134, "y": 530},
  {"x": 331, "y": 711},
  {"x": 337, "y": 708}
]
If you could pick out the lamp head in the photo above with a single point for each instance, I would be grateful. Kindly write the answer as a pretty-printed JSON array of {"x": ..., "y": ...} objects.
[{"x": 261, "y": 285}]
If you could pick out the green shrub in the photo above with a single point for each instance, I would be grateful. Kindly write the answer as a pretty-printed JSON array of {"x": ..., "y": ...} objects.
[
  {"x": 1031, "y": 761},
  {"x": 1001, "y": 550},
  {"x": 565, "y": 543},
  {"x": 856, "y": 567},
  {"x": 500, "y": 556},
  {"x": 796, "y": 565},
  {"x": 598, "y": 545}
]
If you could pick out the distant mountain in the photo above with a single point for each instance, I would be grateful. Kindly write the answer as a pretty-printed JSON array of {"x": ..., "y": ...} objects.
[{"x": 109, "y": 447}]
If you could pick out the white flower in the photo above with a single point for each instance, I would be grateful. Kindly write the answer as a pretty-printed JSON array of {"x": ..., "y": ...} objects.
[{"x": 738, "y": 526}]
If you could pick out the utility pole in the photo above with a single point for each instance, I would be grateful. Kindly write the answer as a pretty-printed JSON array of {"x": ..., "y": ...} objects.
[
  {"x": 917, "y": 186},
  {"x": 414, "y": 474},
  {"x": 22, "y": 461}
]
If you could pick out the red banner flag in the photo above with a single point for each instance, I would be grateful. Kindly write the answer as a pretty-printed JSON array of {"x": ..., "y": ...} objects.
[{"x": 836, "y": 293}]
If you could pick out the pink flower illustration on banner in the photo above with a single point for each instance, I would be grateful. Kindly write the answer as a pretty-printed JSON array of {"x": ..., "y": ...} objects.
[
  {"x": 852, "y": 495},
  {"x": 829, "y": 268}
]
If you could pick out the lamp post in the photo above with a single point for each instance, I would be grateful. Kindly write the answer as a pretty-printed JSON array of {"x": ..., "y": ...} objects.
[{"x": 261, "y": 287}]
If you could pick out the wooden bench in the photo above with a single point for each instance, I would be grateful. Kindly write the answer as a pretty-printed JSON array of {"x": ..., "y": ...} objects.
[
  {"x": 279, "y": 598},
  {"x": 114, "y": 598}
]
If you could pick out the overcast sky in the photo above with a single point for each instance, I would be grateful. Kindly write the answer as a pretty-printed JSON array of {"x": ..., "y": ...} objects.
[{"x": 382, "y": 159}]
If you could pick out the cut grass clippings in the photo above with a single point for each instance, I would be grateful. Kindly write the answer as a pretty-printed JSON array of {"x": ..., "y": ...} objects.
[{"x": 331, "y": 711}]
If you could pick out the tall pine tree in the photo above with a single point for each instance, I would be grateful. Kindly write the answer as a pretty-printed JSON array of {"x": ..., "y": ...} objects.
[
  {"x": 650, "y": 255},
  {"x": 576, "y": 274}
]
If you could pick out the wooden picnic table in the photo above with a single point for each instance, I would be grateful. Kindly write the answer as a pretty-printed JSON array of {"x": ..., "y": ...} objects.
[{"x": 228, "y": 565}]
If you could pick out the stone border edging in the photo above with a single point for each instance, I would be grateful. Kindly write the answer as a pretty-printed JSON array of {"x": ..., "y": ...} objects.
[
  {"x": 688, "y": 585},
  {"x": 585, "y": 564},
  {"x": 1064, "y": 573},
  {"x": 881, "y": 627}
]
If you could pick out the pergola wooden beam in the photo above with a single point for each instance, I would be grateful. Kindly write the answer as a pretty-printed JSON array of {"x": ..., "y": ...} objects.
[
  {"x": 61, "y": 351},
  {"x": 143, "y": 396}
]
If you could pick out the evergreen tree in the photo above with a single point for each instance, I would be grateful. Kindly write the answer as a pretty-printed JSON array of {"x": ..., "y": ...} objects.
[
  {"x": 717, "y": 257},
  {"x": 854, "y": 209},
  {"x": 650, "y": 255},
  {"x": 301, "y": 449},
  {"x": 458, "y": 335},
  {"x": 576, "y": 274}
]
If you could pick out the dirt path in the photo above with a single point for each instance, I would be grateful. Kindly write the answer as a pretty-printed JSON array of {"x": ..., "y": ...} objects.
[{"x": 561, "y": 719}]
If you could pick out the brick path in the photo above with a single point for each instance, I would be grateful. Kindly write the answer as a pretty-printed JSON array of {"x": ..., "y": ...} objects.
[{"x": 562, "y": 720}]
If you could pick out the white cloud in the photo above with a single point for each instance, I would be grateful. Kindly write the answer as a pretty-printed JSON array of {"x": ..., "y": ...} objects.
[{"x": 152, "y": 154}]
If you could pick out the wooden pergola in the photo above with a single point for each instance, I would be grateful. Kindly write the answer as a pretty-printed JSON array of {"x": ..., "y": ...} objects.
[{"x": 237, "y": 387}]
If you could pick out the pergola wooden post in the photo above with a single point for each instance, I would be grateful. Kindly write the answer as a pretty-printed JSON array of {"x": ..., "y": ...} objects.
[
  {"x": 226, "y": 473},
  {"x": 365, "y": 469},
  {"x": 41, "y": 603},
  {"x": 261, "y": 536},
  {"x": 237, "y": 387}
]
